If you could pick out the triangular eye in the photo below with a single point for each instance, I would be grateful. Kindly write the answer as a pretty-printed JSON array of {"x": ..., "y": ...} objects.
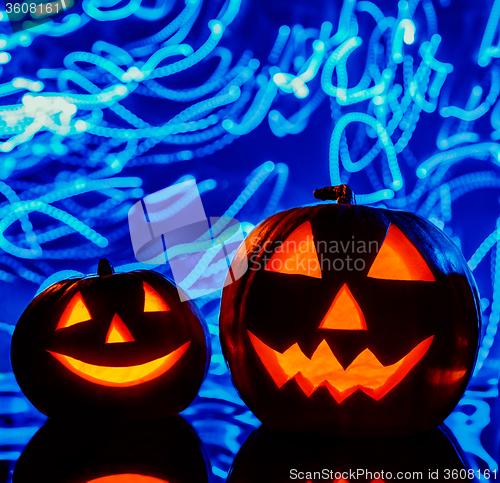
[
  {"x": 297, "y": 255},
  {"x": 152, "y": 300},
  {"x": 398, "y": 259},
  {"x": 74, "y": 313}
]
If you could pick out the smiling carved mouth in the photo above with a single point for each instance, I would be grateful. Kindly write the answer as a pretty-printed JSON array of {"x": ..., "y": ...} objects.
[
  {"x": 365, "y": 373},
  {"x": 121, "y": 376}
]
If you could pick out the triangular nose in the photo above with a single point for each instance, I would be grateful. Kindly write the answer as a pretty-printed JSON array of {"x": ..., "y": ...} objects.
[
  {"x": 344, "y": 313},
  {"x": 118, "y": 332}
]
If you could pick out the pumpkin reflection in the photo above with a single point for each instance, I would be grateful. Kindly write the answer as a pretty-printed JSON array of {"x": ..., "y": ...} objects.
[
  {"x": 127, "y": 479},
  {"x": 166, "y": 451},
  {"x": 271, "y": 456}
]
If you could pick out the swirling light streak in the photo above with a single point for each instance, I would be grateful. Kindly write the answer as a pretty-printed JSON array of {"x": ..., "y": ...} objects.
[
  {"x": 494, "y": 316},
  {"x": 486, "y": 49},
  {"x": 472, "y": 113},
  {"x": 93, "y": 9},
  {"x": 149, "y": 44},
  {"x": 456, "y": 188},
  {"x": 22, "y": 209},
  {"x": 397, "y": 180},
  {"x": 456, "y": 155}
]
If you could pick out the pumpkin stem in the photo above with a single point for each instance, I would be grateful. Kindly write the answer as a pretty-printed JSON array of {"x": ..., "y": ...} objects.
[
  {"x": 342, "y": 194},
  {"x": 104, "y": 268}
]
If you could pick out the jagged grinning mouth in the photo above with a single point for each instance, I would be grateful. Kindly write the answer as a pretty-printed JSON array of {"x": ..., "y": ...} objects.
[
  {"x": 121, "y": 376},
  {"x": 365, "y": 373}
]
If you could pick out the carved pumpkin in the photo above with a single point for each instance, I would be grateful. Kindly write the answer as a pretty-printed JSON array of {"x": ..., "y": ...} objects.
[
  {"x": 165, "y": 451},
  {"x": 350, "y": 320},
  {"x": 270, "y": 456},
  {"x": 119, "y": 346}
]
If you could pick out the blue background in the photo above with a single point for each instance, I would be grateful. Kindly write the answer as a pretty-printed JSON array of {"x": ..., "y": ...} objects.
[{"x": 262, "y": 105}]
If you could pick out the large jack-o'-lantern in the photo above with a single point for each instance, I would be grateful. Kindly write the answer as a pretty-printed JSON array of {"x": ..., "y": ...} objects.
[
  {"x": 351, "y": 320},
  {"x": 113, "y": 346}
]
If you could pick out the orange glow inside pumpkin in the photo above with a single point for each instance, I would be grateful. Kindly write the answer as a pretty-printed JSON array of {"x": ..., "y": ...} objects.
[
  {"x": 74, "y": 313},
  {"x": 118, "y": 332},
  {"x": 152, "y": 301},
  {"x": 127, "y": 478},
  {"x": 445, "y": 377},
  {"x": 398, "y": 259},
  {"x": 121, "y": 376},
  {"x": 365, "y": 373},
  {"x": 344, "y": 313},
  {"x": 297, "y": 255}
]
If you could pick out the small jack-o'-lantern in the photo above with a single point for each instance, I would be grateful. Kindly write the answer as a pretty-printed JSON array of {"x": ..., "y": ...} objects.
[
  {"x": 270, "y": 456},
  {"x": 118, "y": 346},
  {"x": 165, "y": 451},
  {"x": 351, "y": 320}
]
